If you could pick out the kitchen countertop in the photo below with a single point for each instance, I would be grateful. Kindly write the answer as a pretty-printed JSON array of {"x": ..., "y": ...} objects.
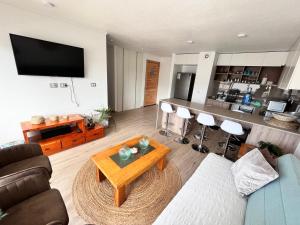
[
  {"x": 238, "y": 102},
  {"x": 251, "y": 119}
]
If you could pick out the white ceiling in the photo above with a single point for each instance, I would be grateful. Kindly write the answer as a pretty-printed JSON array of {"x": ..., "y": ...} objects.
[{"x": 162, "y": 26}]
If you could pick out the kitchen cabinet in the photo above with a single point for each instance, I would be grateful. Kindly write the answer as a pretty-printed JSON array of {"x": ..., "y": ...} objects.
[
  {"x": 290, "y": 78},
  {"x": 275, "y": 58},
  {"x": 251, "y": 59},
  {"x": 224, "y": 59},
  {"x": 293, "y": 79},
  {"x": 271, "y": 59}
]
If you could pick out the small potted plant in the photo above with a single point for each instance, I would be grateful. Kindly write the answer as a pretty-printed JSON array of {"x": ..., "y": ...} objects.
[
  {"x": 104, "y": 115},
  {"x": 273, "y": 149}
]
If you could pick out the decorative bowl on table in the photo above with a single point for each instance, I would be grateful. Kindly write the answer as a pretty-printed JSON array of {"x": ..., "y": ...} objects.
[
  {"x": 144, "y": 143},
  {"x": 125, "y": 153},
  {"x": 285, "y": 117},
  {"x": 35, "y": 120},
  {"x": 134, "y": 150},
  {"x": 53, "y": 118},
  {"x": 63, "y": 117}
]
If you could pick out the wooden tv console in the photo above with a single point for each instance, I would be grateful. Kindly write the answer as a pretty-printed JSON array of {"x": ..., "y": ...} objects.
[{"x": 78, "y": 135}]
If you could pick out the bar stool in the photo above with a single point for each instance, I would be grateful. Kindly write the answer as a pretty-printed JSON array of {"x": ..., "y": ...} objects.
[
  {"x": 167, "y": 108},
  {"x": 205, "y": 120},
  {"x": 185, "y": 115},
  {"x": 232, "y": 128}
]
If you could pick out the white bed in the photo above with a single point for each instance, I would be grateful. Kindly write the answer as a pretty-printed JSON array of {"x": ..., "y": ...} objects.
[{"x": 209, "y": 197}]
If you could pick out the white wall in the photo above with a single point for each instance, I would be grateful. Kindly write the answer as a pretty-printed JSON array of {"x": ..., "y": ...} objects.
[
  {"x": 189, "y": 68},
  {"x": 140, "y": 80},
  {"x": 164, "y": 78},
  {"x": 130, "y": 75},
  {"x": 196, "y": 63},
  {"x": 24, "y": 96},
  {"x": 118, "y": 77},
  {"x": 203, "y": 80},
  {"x": 110, "y": 76}
]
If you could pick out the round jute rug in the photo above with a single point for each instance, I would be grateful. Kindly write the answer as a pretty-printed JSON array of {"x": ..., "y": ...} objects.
[{"x": 146, "y": 197}]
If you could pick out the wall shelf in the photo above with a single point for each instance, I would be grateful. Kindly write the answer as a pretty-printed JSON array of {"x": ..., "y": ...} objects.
[{"x": 248, "y": 74}]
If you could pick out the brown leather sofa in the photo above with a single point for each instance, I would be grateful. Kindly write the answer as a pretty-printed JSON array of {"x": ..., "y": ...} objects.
[
  {"x": 27, "y": 199},
  {"x": 21, "y": 157}
]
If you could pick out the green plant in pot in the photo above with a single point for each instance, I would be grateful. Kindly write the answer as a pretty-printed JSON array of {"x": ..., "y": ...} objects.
[
  {"x": 273, "y": 149},
  {"x": 104, "y": 115}
]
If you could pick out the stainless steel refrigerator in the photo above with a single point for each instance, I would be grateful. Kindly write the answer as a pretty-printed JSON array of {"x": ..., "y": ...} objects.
[{"x": 184, "y": 86}]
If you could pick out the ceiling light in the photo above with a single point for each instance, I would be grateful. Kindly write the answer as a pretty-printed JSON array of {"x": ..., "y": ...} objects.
[
  {"x": 242, "y": 35},
  {"x": 190, "y": 42},
  {"x": 48, "y": 3}
]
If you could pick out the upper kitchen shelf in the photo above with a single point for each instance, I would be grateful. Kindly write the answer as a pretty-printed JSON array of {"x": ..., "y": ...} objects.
[{"x": 248, "y": 74}]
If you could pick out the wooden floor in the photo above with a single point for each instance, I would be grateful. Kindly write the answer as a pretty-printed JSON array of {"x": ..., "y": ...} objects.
[{"x": 135, "y": 122}]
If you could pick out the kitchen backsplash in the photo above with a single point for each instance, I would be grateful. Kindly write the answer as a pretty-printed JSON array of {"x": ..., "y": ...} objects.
[{"x": 275, "y": 93}]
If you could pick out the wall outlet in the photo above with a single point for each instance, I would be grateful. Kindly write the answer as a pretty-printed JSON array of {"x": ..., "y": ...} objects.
[
  {"x": 64, "y": 85},
  {"x": 53, "y": 85},
  {"x": 93, "y": 84}
]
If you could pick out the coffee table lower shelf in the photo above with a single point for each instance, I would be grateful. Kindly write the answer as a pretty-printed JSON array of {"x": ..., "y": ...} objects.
[{"x": 120, "y": 192}]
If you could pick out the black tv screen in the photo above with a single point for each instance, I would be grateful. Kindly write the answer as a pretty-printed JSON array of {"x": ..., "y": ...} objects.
[{"x": 44, "y": 58}]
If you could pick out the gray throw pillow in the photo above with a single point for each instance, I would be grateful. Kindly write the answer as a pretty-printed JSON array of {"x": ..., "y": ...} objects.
[{"x": 251, "y": 172}]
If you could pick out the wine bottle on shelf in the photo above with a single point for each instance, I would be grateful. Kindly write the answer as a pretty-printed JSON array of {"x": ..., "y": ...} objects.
[{"x": 264, "y": 80}]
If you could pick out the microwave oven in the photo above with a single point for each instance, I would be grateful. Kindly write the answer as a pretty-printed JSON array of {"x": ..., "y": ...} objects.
[{"x": 276, "y": 106}]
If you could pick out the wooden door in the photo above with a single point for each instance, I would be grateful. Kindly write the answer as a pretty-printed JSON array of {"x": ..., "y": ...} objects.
[{"x": 151, "y": 82}]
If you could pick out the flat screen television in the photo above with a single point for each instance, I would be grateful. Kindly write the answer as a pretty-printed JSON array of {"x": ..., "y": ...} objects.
[{"x": 44, "y": 58}]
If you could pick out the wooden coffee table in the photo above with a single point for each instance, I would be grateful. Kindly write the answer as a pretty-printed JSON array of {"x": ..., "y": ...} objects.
[{"x": 119, "y": 177}]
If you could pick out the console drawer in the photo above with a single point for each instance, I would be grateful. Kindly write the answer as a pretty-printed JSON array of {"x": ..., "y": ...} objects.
[
  {"x": 72, "y": 141},
  {"x": 50, "y": 147},
  {"x": 93, "y": 134}
]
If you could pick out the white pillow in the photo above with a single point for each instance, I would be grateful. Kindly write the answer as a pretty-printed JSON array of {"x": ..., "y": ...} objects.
[{"x": 251, "y": 172}]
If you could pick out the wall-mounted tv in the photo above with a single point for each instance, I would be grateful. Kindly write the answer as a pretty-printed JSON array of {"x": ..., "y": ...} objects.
[{"x": 44, "y": 58}]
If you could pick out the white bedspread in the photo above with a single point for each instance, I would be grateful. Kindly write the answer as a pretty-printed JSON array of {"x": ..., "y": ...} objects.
[{"x": 209, "y": 197}]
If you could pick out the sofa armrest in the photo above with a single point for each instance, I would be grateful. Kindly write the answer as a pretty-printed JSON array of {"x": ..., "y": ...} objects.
[
  {"x": 17, "y": 187},
  {"x": 19, "y": 152}
]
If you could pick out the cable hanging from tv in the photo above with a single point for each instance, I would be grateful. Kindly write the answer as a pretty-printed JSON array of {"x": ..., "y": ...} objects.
[{"x": 73, "y": 94}]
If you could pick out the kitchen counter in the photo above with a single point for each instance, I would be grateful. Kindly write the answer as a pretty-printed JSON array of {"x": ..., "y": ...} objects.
[{"x": 259, "y": 124}]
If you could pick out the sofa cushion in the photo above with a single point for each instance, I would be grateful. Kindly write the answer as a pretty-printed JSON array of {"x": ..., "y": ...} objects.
[
  {"x": 209, "y": 197},
  {"x": 251, "y": 172},
  {"x": 38, "y": 161},
  {"x": 40, "y": 209},
  {"x": 278, "y": 202}
]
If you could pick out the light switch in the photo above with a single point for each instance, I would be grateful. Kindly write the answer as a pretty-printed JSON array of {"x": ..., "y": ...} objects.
[
  {"x": 63, "y": 85},
  {"x": 93, "y": 84},
  {"x": 53, "y": 85}
]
